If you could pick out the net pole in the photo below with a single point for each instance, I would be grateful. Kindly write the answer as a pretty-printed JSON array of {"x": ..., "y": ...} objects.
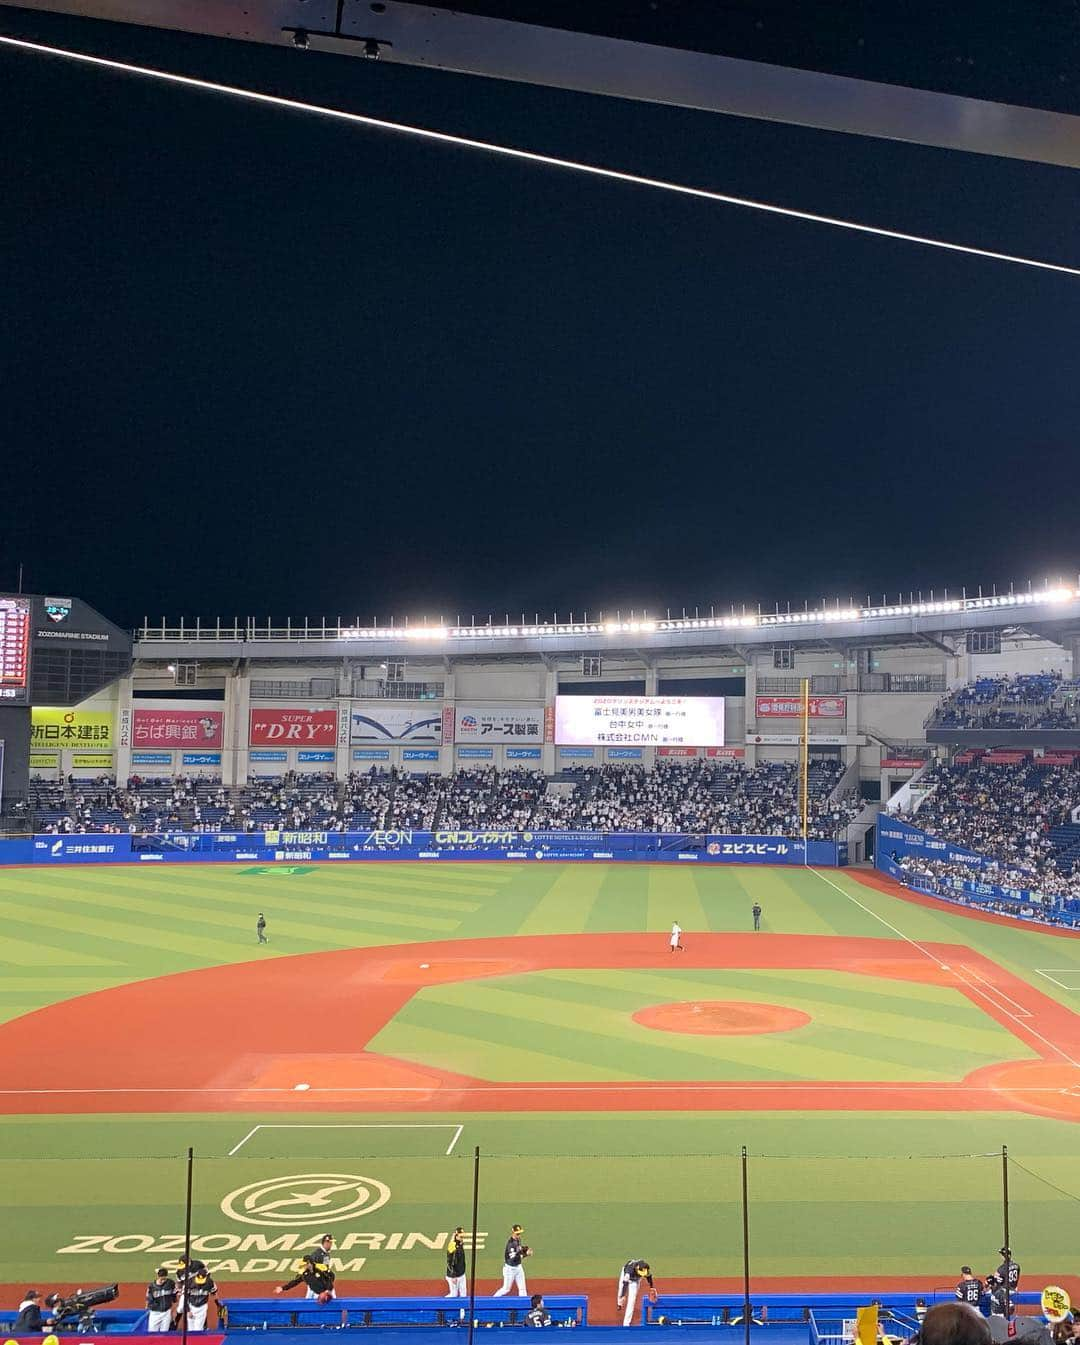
[
  {"x": 1005, "y": 1225},
  {"x": 187, "y": 1248},
  {"x": 804, "y": 769},
  {"x": 472, "y": 1258},
  {"x": 746, "y": 1246}
]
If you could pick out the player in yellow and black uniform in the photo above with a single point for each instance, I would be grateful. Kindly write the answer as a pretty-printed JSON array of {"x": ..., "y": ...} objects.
[
  {"x": 318, "y": 1277},
  {"x": 455, "y": 1265},
  {"x": 632, "y": 1275}
]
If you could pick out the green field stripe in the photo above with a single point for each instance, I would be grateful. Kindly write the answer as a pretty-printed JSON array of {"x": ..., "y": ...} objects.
[
  {"x": 120, "y": 938},
  {"x": 622, "y": 901},
  {"x": 45, "y": 952},
  {"x": 450, "y": 1049},
  {"x": 673, "y": 895},
  {"x": 566, "y": 905}
]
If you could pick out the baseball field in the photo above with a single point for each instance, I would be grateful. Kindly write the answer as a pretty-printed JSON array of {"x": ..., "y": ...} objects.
[{"x": 871, "y": 1050}]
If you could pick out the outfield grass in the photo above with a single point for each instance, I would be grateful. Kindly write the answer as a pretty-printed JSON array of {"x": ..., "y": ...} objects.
[{"x": 839, "y": 1193}]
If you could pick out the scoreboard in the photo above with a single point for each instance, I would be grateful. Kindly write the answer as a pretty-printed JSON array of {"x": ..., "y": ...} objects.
[{"x": 15, "y": 618}]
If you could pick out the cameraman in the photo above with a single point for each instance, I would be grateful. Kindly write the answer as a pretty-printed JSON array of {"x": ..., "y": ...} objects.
[{"x": 29, "y": 1320}]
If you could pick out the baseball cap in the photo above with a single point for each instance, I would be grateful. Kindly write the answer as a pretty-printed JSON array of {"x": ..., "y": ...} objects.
[
  {"x": 161, "y": 1271},
  {"x": 966, "y": 1270},
  {"x": 517, "y": 1228}
]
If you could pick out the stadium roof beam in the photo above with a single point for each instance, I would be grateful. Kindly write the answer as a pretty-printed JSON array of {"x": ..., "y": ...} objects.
[
  {"x": 937, "y": 643},
  {"x": 452, "y": 40}
]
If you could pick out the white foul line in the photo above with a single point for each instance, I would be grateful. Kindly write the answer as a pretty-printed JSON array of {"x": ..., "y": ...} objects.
[
  {"x": 944, "y": 967},
  {"x": 1021, "y": 1012},
  {"x": 881, "y": 920},
  {"x": 355, "y": 1125},
  {"x": 530, "y": 156}
]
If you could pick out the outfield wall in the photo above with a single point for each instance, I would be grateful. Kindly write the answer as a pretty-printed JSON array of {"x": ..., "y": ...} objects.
[{"x": 269, "y": 847}]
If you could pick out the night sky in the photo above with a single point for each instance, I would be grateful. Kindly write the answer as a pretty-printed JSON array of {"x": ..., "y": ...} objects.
[{"x": 255, "y": 362}]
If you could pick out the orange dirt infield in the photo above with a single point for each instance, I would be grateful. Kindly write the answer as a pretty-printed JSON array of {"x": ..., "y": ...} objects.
[
  {"x": 721, "y": 1018},
  {"x": 263, "y": 1046}
]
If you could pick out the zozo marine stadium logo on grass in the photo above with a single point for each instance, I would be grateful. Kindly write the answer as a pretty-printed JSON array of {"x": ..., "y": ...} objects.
[{"x": 308, "y": 1198}]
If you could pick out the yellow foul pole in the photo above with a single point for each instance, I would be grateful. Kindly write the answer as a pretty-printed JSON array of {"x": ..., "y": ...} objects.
[{"x": 804, "y": 761}]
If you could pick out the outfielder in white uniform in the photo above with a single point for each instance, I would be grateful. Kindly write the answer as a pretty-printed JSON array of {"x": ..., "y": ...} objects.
[
  {"x": 676, "y": 938},
  {"x": 513, "y": 1269},
  {"x": 630, "y": 1276}
]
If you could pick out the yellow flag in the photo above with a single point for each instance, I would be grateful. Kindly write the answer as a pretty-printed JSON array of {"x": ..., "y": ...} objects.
[{"x": 866, "y": 1325}]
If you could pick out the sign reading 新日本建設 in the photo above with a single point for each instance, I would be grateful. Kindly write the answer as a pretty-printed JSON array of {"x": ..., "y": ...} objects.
[
  {"x": 499, "y": 724},
  {"x": 71, "y": 728}
]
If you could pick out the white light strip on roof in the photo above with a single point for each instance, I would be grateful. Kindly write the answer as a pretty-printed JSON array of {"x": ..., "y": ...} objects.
[{"x": 530, "y": 156}]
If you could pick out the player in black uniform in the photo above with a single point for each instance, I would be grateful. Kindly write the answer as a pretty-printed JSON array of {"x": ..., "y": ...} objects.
[
  {"x": 630, "y": 1277},
  {"x": 1009, "y": 1271},
  {"x": 514, "y": 1256},
  {"x": 971, "y": 1288},
  {"x": 317, "y": 1275},
  {"x": 160, "y": 1300},
  {"x": 455, "y": 1265}
]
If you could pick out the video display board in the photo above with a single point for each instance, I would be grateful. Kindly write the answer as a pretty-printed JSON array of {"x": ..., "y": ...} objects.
[
  {"x": 15, "y": 614},
  {"x": 640, "y": 721}
]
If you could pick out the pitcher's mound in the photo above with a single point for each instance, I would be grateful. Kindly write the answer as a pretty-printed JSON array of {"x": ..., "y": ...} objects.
[{"x": 718, "y": 1017}]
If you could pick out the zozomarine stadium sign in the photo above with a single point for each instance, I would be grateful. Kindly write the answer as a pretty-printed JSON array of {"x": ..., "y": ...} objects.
[{"x": 305, "y": 846}]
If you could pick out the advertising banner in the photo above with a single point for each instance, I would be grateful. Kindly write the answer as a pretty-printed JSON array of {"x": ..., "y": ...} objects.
[
  {"x": 394, "y": 724},
  {"x": 523, "y": 754},
  {"x": 92, "y": 761},
  {"x": 641, "y": 721},
  {"x": 420, "y": 754},
  {"x": 325, "y": 757},
  {"x": 371, "y": 754},
  {"x": 578, "y": 753},
  {"x": 303, "y": 728},
  {"x": 624, "y": 754},
  {"x": 176, "y": 728},
  {"x": 151, "y": 758},
  {"x": 676, "y": 751},
  {"x": 736, "y": 753},
  {"x": 475, "y": 753},
  {"x": 816, "y": 739},
  {"x": 44, "y": 761},
  {"x": 549, "y": 723},
  {"x": 790, "y": 707},
  {"x": 405, "y": 844},
  {"x": 266, "y": 756},
  {"x": 201, "y": 759},
  {"x": 447, "y": 725},
  {"x": 51, "y": 727},
  {"x": 902, "y": 763},
  {"x": 498, "y": 724}
]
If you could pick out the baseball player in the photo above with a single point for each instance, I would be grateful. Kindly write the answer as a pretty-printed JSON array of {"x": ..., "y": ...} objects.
[
  {"x": 455, "y": 1265},
  {"x": 755, "y": 911},
  {"x": 260, "y": 928},
  {"x": 630, "y": 1277},
  {"x": 513, "y": 1270},
  {"x": 316, "y": 1275},
  {"x": 160, "y": 1300},
  {"x": 676, "y": 938},
  {"x": 970, "y": 1289},
  {"x": 197, "y": 1287}
]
